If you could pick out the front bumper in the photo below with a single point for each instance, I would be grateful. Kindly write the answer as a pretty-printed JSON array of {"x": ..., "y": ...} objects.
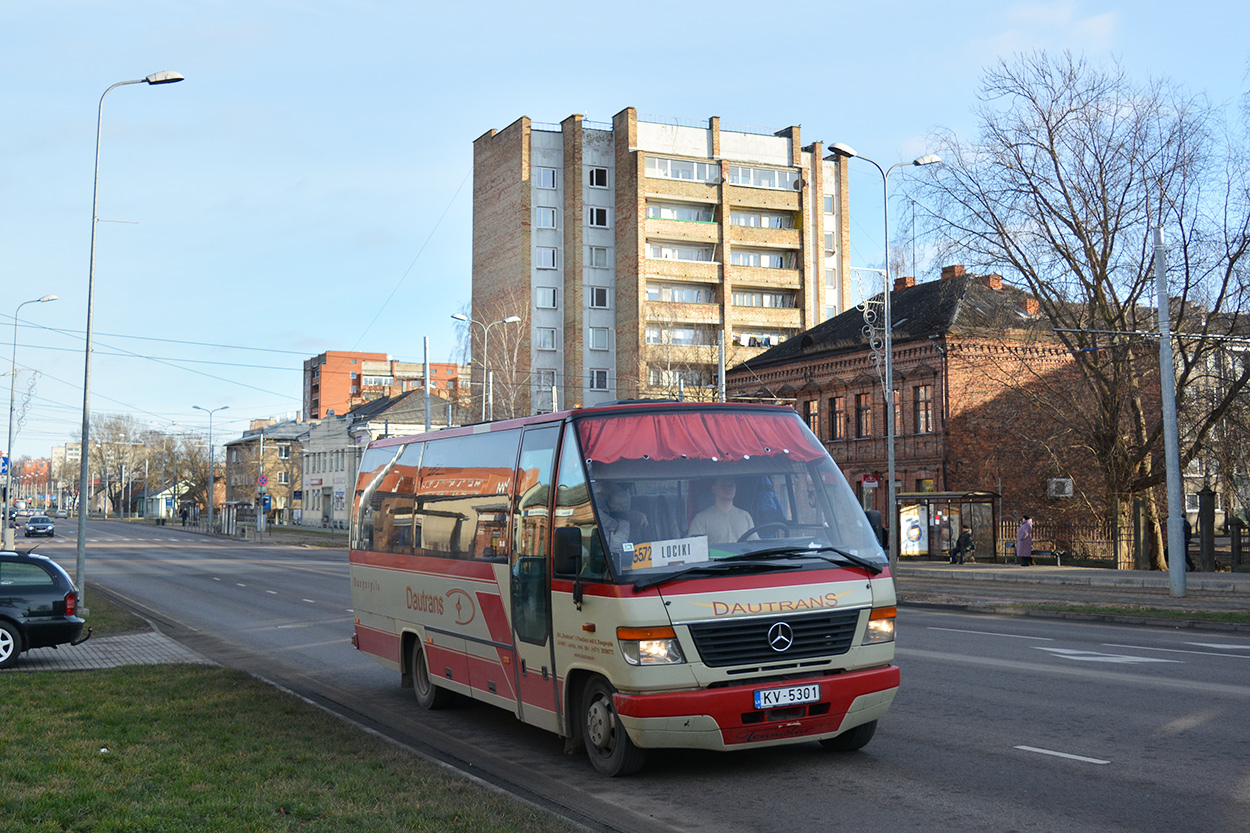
[{"x": 726, "y": 718}]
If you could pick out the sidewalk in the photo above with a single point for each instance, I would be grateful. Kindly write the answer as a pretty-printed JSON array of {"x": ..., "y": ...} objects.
[
  {"x": 146, "y": 648},
  {"x": 1136, "y": 595}
]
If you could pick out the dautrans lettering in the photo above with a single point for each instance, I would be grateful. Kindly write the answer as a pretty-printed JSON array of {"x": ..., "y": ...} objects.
[
  {"x": 424, "y": 602},
  {"x": 788, "y": 606}
]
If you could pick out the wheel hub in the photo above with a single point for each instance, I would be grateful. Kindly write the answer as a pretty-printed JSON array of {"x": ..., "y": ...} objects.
[{"x": 599, "y": 724}]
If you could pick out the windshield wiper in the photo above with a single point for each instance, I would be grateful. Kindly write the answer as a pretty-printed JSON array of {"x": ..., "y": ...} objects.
[
  {"x": 723, "y": 566},
  {"x": 800, "y": 552}
]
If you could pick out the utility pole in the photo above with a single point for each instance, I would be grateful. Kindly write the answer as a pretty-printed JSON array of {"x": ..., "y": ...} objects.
[{"x": 1171, "y": 435}]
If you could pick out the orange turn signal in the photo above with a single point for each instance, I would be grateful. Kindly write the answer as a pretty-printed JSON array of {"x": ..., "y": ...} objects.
[
  {"x": 645, "y": 633},
  {"x": 883, "y": 613}
]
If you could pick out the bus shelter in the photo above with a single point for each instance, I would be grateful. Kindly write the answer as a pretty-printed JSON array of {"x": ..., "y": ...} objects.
[{"x": 929, "y": 523}]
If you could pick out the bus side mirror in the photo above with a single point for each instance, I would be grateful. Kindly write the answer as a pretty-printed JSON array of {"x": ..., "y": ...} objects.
[
  {"x": 874, "y": 519},
  {"x": 568, "y": 556},
  {"x": 568, "y": 550}
]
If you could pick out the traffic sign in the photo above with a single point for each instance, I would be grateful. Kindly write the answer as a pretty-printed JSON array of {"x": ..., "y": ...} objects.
[{"x": 262, "y": 480}]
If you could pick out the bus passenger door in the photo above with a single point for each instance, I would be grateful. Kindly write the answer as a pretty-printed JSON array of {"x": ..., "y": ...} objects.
[{"x": 531, "y": 579}]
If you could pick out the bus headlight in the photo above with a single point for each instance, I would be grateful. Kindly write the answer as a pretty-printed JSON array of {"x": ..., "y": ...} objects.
[
  {"x": 880, "y": 625},
  {"x": 649, "y": 646}
]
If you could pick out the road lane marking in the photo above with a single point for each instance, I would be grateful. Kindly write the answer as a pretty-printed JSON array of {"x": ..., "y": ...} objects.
[
  {"x": 992, "y": 633},
  {"x": 1095, "y": 656},
  {"x": 310, "y": 601},
  {"x": 272, "y": 592},
  {"x": 1067, "y": 755},
  {"x": 1182, "y": 651},
  {"x": 1218, "y": 645}
]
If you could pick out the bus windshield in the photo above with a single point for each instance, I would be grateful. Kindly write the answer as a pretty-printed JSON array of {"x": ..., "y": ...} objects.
[{"x": 674, "y": 489}]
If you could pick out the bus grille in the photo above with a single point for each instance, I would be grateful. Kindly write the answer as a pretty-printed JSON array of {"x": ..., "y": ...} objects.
[{"x": 747, "y": 642}]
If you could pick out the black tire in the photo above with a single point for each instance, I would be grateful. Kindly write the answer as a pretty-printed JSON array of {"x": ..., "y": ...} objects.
[
  {"x": 607, "y": 742},
  {"x": 10, "y": 645},
  {"x": 851, "y": 739},
  {"x": 429, "y": 695}
]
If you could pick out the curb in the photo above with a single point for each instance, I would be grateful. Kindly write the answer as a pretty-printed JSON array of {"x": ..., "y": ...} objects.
[{"x": 1001, "y": 609}]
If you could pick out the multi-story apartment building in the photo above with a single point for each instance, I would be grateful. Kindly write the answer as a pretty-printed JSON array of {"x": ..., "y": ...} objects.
[
  {"x": 337, "y": 381},
  {"x": 631, "y": 250}
]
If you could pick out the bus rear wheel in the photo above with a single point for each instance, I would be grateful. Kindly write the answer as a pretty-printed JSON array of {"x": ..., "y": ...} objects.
[
  {"x": 852, "y": 739},
  {"x": 429, "y": 696},
  {"x": 607, "y": 743}
]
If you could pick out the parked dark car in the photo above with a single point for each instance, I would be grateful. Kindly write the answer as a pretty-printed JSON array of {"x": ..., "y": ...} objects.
[
  {"x": 39, "y": 525},
  {"x": 38, "y": 603}
]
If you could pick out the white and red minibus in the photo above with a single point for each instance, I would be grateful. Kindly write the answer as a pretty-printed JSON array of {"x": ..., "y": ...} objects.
[{"x": 631, "y": 576}]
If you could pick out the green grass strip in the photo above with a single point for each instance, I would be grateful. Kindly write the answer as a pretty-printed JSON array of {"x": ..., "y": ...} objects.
[{"x": 194, "y": 748}]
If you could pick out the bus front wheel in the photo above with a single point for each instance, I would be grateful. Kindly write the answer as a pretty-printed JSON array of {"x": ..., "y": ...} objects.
[
  {"x": 429, "y": 696},
  {"x": 852, "y": 739},
  {"x": 607, "y": 743}
]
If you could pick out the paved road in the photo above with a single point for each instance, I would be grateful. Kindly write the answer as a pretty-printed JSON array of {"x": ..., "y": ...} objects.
[{"x": 1001, "y": 724}]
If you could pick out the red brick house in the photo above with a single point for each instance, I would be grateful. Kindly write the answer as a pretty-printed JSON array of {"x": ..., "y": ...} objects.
[{"x": 980, "y": 384}]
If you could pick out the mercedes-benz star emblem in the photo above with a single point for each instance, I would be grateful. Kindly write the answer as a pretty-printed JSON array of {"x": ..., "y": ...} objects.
[{"x": 780, "y": 637}]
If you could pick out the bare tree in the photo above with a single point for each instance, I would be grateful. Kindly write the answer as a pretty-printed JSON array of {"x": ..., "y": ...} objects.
[
  {"x": 116, "y": 452},
  {"x": 1074, "y": 168}
]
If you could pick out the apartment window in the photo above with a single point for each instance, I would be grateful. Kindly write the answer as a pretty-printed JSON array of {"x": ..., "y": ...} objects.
[
  {"x": 781, "y": 300},
  {"x": 863, "y": 415},
  {"x": 680, "y": 293},
  {"x": 676, "y": 251},
  {"x": 829, "y": 250},
  {"x": 763, "y": 177},
  {"x": 284, "y": 478},
  {"x": 762, "y": 219},
  {"x": 837, "y": 418},
  {"x": 545, "y": 257},
  {"x": 545, "y": 338},
  {"x": 679, "y": 211},
  {"x": 352, "y": 375},
  {"x": 545, "y": 297},
  {"x": 665, "y": 168},
  {"x": 598, "y": 257},
  {"x": 544, "y": 217},
  {"x": 922, "y": 405},
  {"x": 597, "y": 217},
  {"x": 545, "y": 177},
  {"x": 762, "y": 259},
  {"x": 545, "y": 380},
  {"x": 598, "y": 177},
  {"x": 598, "y": 338},
  {"x": 831, "y": 277},
  {"x": 598, "y": 297},
  {"x": 811, "y": 414},
  {"x": 284, "y": 452},
  {"x": 598, "y": 380},
  {"x": 828, "y": 205}
]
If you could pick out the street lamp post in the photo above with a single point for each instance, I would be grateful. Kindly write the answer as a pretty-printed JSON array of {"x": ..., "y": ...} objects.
[
  {"x": 840, "y": 149},
  {"x": 8, "y": 484},
  {"x": 80, "y": 577},
  {"x": 212, "y": 473},
  {"x": 511, "y": 319}
]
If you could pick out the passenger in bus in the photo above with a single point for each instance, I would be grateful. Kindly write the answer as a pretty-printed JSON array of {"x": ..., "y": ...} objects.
[{"x": 722, "y": 522}]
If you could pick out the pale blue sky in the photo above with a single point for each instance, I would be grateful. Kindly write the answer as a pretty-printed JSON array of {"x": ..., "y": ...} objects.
[{"x": 318, "y": 157}]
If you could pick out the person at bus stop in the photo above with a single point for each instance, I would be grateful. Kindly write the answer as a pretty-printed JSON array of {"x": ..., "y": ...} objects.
[
  {"x": 1024, "y": 543},
  {"x": 722, "y": 522},
  {"x": 963, "y": 547}
]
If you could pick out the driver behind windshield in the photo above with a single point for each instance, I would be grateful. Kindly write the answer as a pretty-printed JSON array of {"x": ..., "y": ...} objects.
[{"x": 722, "y": 522}]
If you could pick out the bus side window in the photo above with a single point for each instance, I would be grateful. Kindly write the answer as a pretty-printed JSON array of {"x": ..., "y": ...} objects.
[{"x": 573, "y": 509}]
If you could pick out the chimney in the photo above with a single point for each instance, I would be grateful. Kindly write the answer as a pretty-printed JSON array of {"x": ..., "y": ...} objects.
[
  {"x": 904, "y": 283},
  {"x": 1031, "y": 306},
  {"x": 950, "y": 272},
  {"x": 994, "y": 282}
]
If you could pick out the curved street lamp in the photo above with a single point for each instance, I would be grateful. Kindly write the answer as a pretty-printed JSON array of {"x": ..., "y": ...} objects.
[
  {"x": 840, "y": 149},
  {"x": 80, "y": 577},
  {"x": 211, "y": 491},
  {"x": 7, "y": 538},
  {"x": 511, "y": 319}
]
